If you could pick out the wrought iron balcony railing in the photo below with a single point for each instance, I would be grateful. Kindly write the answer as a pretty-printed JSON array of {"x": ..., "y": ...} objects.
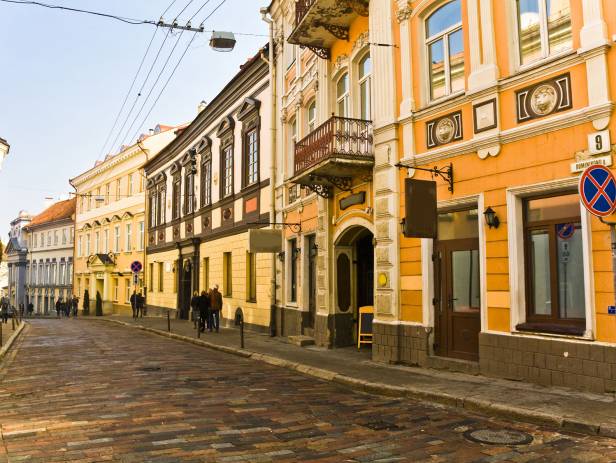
[
  {"x": 301, "y": 8},
  {"x": 338, "y": 137}
]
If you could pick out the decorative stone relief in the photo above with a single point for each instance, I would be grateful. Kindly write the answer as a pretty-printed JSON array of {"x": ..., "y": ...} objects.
[
  {"x": 404, "y": 13},
  {"x": 362, "y": 41},
  {"x": 544, "y": 98},
  {"x": 444, "y": 130},
  {"x": 484, "y": 115},
  {"x": 341, "y": 61}
]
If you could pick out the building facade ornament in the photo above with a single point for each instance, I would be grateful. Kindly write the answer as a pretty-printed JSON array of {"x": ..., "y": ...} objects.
[
  {"x": 404, "y": 12},
  {"x": 341, "y": 61}
]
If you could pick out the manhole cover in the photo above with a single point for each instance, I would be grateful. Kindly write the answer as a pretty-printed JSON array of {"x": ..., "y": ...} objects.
[
  {"x": 499, "y": 437},
  {"x": 150, "y": 369}
]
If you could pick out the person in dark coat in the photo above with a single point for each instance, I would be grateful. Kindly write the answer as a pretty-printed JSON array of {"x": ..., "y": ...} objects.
[
  {"x": 30, "y": 309},
  {"x": 133, "y": 304},
  {"x": 194, "y": 305},
  {"x": 58, "y": 307},
  {"x": 140, "y": 305},
  {"x": 204, "y": 311},
  {"x": 216, "y": 307}
]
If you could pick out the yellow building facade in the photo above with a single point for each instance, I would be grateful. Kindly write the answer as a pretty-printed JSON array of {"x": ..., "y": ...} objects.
[
  {"x": 206, "y": 193},
  {"x": 110, "y": 225}
]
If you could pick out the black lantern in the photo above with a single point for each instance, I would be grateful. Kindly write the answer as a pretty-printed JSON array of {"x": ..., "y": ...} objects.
[{"x": 491, "y": 218}]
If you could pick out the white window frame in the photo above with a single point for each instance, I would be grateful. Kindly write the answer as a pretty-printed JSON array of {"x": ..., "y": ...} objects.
[
  {"x": 129, "y": 238},
  {"x": 106, "y": 241},
  {"x": 444, "y": 34},
  {"x": 116, "y": 239},
  {"x": 366, "y": 79},
  {"x": 345, "y": 97},
  {"x": 87, "y": 244},
  {"x": 515, "y": 231},
  {"x": 130, "y": 184},
  {"x": 311, "y": 121},
  {"x": 97, "y": 242},
  {"x": 141, "y": 235},
  {"x": 79, "y": 246}
]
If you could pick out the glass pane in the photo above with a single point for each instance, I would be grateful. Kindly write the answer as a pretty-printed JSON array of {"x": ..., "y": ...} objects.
[
  {"x": 458, "y": 225},
  {"x": 540, "y": 272},
  {"x": 343, "y": 107},
  {"x": 456, "y": 61},
  {"x": 559, "y": 25},
  {"x": 465, "y": 280},
  {"x": 443, "y": 18},
  {"x": 343, "y": 85},
  {"x": 365, "y": 67},
  {"x": 556, "y": 207},
  {"x": 364, "y": 90},
  {"x": 570, "y": 270},
  {"x": 529, "y": 30},
  {"x": 437, "y": 69}
]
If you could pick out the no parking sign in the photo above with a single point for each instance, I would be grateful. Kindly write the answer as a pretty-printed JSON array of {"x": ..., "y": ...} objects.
[{"x": 598, "y": 190}]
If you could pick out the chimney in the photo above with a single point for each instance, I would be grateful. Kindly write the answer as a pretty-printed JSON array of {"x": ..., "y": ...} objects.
[{"x": 201, "y": 106}]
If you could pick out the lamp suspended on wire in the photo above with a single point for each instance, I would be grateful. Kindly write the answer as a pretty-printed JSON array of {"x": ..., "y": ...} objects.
[{"x": 222, "y": 41}]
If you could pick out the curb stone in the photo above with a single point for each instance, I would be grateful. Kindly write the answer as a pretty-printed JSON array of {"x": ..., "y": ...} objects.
[
  {"x": 11, "y": 340},
  {"x": 409, "y": 392}
]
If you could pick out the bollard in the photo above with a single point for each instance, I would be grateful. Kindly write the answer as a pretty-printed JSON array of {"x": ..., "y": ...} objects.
[
  {"x": 239, "y": 320},
  {"x": 13, "y": 321},
  {"x": 1, "y": 334},
  {"x": 168, "y": 322}
]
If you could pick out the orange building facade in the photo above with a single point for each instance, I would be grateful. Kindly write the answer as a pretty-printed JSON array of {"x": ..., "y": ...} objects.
[{"x": 509, "y": 100}]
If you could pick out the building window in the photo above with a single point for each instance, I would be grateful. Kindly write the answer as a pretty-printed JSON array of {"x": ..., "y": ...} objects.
[
  {"x": 116, "y": 289},
  {"x": 161, "y": 276},
  {"x": 96, "y": 199},
  {"x": 62, "y": 274},
  {"x": 177, "y": 193},
  {"x": 64, "y": 236},
  {"x": 227, "y": 283},
  {"x": 227, "y": 171},
  {"x": 116, "y": 239},
  {"x": 96, "y": 242},
  {"x": 161, "y": 206},
  {"x": 251, "y": 156},
  {"x": 189, "y": 190},
  {"x": 206, "y": 274},
  {"x": 42, "y": 240},
  {"x": 544, "y": 28},
  {"x": 35, "y": 240},
  {"x": 151, "y": 278},
  {"x": 129, "y": 238},
  {"x": 554, "y": 261},
  {"x": 55, "y": 237},
  {"x": 107, "y": 193},
  {"x": 106, "y": 241},
  {"x": 79, "y": 246},
  {"x": 130, "y": 184},
  {"x": 48, "y": 238},
  {"x": 69, "y": 272},
  {"x": 152, "y": 208},
  {"x": 445, "y": 49},
  {"x": 251, "y": 277},
  {"x": 342, "y": 96},
  {"x": 128, "y": 290},
  {"x": 312, "y": 116},
  {"x": 87, "y": 244},
  {"x": 118, "y": 190},
  {"x": 206, "y": 180},
  {"x": 365, "y": 87},
  {"x": 293, "y": 254},
  {"x": 141, "y": 236}
]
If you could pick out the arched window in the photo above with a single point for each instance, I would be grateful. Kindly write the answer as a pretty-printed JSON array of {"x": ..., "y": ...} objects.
[
  {"x": 445, "y": 48},
  {"x": 365, "y": 84},
  {"x": 312, "y": 116},
  {"x": 544, "y": 28},
  {"x": 342, "y": 96}
]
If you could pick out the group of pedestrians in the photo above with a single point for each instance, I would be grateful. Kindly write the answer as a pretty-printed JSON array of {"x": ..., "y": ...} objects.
[
  {"x": 206, "y": 309},
  {"x": 66, "y": 308},
  {"x": 137, "y": 303}
]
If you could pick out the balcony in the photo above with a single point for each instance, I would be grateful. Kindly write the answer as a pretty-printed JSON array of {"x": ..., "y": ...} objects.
[
  {"x": 319, "y": 23},
  {"x": 332, "y": 154}
]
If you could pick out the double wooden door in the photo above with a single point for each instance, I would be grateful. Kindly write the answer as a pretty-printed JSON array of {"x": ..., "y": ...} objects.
[{"x": 457, "y": 301}]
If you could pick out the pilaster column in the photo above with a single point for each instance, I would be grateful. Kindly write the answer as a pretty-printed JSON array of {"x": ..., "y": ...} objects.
[
  {"x": 484, "y": 70},
  {"x": 385, "y": 180},
  {"x": 594, "y": 31},
  {"x": 403, "y": 16}
]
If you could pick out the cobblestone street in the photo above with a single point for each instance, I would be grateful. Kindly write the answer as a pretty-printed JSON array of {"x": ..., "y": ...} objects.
[{"x": 87, "y": 391}]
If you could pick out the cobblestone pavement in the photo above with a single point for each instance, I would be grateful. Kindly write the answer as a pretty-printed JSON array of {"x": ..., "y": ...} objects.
[{"x": 83, "y": 391}]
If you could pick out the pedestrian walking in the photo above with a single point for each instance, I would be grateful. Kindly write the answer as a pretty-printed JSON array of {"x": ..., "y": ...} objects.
[
  {"x": 21, "y": 310},
  {"x": 204, "y": 311},
  {"x": 75, "y": 305},
  {"x": 66, "y": 305},
  {"x": 143, "y": 308},
  {"x": 215, "y": 307},
  {"x": 4, "y": 310},
  {"x": 58, "y": 307},
  {"x": 194, "y": 306},
  {"x": 133, "y": 304},
  {"x": 30, "y": 309}
]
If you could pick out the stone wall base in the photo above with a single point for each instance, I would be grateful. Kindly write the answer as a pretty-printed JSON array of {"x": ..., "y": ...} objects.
[
  {"x": 549, "y": 362},
  {"x": 405, "y": 344}
]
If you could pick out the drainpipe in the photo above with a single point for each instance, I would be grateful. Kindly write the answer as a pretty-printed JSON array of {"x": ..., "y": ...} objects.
[{"x": 272, "y": 77}]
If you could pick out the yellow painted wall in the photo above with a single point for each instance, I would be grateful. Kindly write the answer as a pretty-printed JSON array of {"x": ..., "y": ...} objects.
[{"x": 167, "y": 298}]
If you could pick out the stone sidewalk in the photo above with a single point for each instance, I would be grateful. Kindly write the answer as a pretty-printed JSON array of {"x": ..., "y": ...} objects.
[{"x": 559, "y": 407}]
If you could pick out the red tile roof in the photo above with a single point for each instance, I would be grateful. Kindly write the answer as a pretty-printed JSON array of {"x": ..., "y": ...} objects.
[{"x": 58, "y": 211}]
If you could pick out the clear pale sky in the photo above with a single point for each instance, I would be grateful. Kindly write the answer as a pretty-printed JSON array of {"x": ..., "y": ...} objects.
[{"x": 63, "y": 77}]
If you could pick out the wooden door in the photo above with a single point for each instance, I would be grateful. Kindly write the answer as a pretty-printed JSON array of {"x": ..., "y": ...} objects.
[
  {"x": 312, "y": 281},
  {"x": 457, "y": 303}
]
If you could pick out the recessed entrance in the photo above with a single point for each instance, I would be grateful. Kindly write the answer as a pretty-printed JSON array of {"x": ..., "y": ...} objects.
[
  {"x": 185, "y": 276},
  {"x": 354, "y": 282},
  {"x": 457, "y": 287}
]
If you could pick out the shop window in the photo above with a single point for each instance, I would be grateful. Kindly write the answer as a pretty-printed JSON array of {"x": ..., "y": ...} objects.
[
  {"x": 445, "y": 50},
  {"x": 227, "y": 283},
  {"x": 554, "y": 265},
  {"x": 251, "y": 277},
  {"x": 544, "y": 28}
]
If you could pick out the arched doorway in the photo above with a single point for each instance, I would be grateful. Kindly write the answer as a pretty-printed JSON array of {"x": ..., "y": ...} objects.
[{"x": 354, "y": 281}]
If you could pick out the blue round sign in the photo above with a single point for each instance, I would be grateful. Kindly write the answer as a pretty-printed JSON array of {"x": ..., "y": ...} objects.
[
  {"x": 136, "y": 266},
  {"x": 598, "y": 190},
  {"x": 565, "y": 230}
]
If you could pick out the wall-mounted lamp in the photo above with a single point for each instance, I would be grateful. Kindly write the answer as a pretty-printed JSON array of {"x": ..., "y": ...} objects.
[
  {"x": 491, "y": 218},
  {"x": 314, "y": 250},
  {"x": 296, "y": 252},
  {"x": 281, "y": 256}
]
